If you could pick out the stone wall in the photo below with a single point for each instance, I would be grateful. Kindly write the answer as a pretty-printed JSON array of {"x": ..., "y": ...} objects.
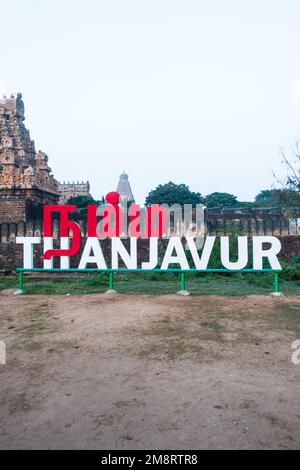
[
  {"x": 14, "y": 209},
  {"x": 277, "y": 221},
  {"x": 290, "y": 246}
]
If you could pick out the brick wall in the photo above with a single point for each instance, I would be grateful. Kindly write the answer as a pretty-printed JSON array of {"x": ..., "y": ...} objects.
[
  {"x": 290, "y": 246},
  {"x": 13, "y": 209}
]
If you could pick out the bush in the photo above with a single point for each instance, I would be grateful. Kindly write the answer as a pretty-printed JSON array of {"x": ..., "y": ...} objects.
[{"x": 290, "y": 271}]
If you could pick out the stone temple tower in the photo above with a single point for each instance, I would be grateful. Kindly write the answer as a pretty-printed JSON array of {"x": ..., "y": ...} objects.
[
  {"x": 24, "y": 173},
  {"x": 124, "y": 188},
  {"x": 26, "y": 182}
]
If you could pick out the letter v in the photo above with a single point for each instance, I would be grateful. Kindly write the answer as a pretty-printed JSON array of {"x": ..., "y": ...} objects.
[{"x": 201, "y": 263}]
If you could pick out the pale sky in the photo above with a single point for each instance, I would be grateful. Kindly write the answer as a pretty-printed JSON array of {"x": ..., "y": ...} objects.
[{"x": 198, "y": 92}]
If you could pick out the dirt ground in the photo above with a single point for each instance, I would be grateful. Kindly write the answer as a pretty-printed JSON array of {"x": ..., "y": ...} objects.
[{"x": 149, "y": 372}]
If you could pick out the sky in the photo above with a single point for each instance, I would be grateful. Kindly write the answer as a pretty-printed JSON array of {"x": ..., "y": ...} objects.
[{"x": 199, "y": 92}]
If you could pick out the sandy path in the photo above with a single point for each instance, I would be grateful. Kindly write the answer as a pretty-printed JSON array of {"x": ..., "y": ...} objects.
[{"x": 149, "y": 372}]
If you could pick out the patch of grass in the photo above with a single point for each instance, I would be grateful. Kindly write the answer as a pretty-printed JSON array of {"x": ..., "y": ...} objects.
[
  {"x": 288, "y": 317},
  {"x": 204, "y": 330},
  {"x": 32, "y": 346},
  {"x": 8, "y": 282},
  {"x": 212, "y": 326},
  {"x": 173, "y": 336},
  {"x": 35, "y": 323}
]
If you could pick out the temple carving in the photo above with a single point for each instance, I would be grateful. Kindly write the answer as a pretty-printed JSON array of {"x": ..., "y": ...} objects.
[{"x": 24, "y": 173}]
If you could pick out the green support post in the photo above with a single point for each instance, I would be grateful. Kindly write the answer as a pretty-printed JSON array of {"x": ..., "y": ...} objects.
[
  {"x": 20, "y": 291},
  {"x": 276, "y": 283},
  {"x": 183, "y": 290},
  {"x": 182, "y": 281},
  {"x": 111, "y": 289},
  {"x": 111, "y": 280},
  {"x": 276, "y": 292}
]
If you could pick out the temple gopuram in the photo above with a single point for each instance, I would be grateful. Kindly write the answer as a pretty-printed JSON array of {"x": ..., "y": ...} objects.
[{"x": 26, "y": 181}]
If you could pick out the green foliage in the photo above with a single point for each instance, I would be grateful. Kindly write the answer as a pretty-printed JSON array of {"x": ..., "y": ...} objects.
[
  {"x": 83, "y": 201},
  {"x": 291, "y": 270},
  {"x": 268, "y": 197},
  {"x": 289, "y": 198},
  {"x": 171, "y": 193},
  {"x": 244, "y": 204},
  {"x": 221, "y": 200},
  {"x": 277, "y": 197}
]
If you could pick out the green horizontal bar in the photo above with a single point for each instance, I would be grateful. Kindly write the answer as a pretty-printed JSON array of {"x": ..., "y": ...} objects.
[{"x": 139, "y": 270}]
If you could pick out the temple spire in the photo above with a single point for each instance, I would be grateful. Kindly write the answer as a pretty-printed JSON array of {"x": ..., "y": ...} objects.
[{"x": 124, "y": 188}]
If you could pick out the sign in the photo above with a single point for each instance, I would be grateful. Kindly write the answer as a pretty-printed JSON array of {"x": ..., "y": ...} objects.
[{"x": 183, "y": 227}]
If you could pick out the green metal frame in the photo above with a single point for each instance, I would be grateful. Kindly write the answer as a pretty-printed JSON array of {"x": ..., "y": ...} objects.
[{"x": 181, "y": 271}]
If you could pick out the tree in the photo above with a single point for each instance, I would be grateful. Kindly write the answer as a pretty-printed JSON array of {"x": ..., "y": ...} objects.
[
  {"x": 290, "y": 183},
  {"x": 268, "y": 197},
  {"x": 221, "y": 200},
  {"x": 83, "y": 201},
  {"x": 171, "y": 193}
]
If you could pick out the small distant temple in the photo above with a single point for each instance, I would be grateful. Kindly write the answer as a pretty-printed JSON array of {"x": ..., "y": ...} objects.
[
  {"x": 68, "y": 190},
  {"x": 124, "y": 188}
]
